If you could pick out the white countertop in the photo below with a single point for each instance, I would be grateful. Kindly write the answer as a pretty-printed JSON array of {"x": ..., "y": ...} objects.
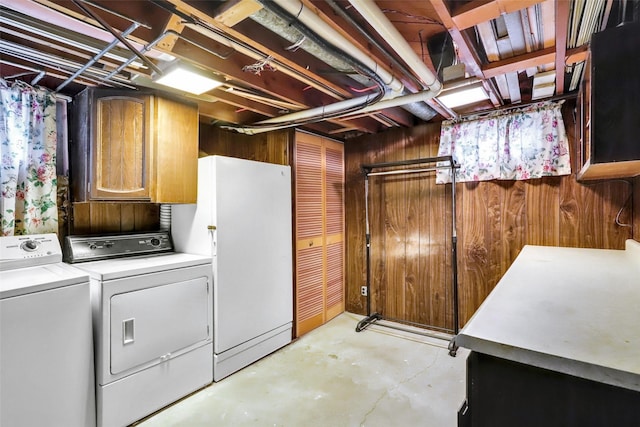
[
  {"x": 117, "y": 268},
  {"x": 28, "y": 280},
  {"x": 571, "y": 310}
]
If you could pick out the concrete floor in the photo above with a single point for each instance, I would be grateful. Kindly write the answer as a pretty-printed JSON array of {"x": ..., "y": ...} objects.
[{"x": 335, "y": 377}]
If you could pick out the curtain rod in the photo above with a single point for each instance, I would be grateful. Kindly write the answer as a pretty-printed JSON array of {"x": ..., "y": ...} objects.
[
  {"x": 367, "y": 168},
  {"x": 403, "y": 171},
  {"x": 483, "y": 113}
]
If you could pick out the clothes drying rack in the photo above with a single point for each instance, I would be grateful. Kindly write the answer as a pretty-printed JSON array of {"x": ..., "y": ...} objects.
[{"x": 428, "y": 164}]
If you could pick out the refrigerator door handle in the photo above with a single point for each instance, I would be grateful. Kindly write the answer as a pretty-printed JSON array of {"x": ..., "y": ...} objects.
[{"x": 212, "y": 232}]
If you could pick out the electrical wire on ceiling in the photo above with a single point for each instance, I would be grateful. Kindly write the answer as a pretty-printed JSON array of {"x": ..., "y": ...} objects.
[
  {"x": 352, "y": 62},
  {"x": 420, "y": 19}
]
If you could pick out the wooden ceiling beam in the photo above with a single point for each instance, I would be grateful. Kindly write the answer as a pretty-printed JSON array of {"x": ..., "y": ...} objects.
[
  {"x": 477, "y": 11},
  {"x": 234, "y": 11},
  {"x": 223, "y": 112},
  {"x": 577, "y": 54},
  {"x": 519, "y": 62},
  {"x": 533, "y": 59},
  {"x": 242, "y": 103},
  {"x": 176, "y": 24}
]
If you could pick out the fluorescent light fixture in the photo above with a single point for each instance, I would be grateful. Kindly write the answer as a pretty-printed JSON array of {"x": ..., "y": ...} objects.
[
  {"x": 187, "y": 78},
  {"x": 463, "y": 95}
]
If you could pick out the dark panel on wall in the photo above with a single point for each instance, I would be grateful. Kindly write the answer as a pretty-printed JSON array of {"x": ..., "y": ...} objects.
[
  {"x": 269, "y": 147},
  {"x": 495, "y": 219},
  {"x": 100, "y": 218}
]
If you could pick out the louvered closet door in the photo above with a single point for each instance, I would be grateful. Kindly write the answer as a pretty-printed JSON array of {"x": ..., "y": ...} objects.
[
  {"x": 334, "y": 228},
  {"x": 319, "y": 179}
]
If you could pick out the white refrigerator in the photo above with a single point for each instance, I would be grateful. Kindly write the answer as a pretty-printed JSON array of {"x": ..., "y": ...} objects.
[{"x": 243, "y": 221}]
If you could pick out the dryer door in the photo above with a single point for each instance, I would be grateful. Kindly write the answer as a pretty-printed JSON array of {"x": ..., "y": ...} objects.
[{"x": 151, "y": 325}]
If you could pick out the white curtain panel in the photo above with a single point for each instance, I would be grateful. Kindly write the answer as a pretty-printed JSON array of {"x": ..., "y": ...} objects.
[
  {"x": 524, "y": 144},
  {"x": 28, "y": 178}
]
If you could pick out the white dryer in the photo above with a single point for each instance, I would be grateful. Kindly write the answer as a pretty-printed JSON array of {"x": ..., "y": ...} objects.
[
  {"x": 152, "y": 317},
  {"x": 46, "y": 350}
]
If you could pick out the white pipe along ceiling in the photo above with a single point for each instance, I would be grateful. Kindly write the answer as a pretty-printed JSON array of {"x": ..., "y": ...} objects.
[
  {"x": 379, "y": 22},
  {"x": 392, "y": 101},
  {"x": 394, "y": 89}
]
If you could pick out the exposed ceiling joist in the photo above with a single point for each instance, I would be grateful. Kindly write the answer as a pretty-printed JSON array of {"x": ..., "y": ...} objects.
[
  {"x": 507, "y": 44},
  {"x": 519, "y": 62},
  {"x": 235, "y": 11},
  {"x": 477, "y": 11}
]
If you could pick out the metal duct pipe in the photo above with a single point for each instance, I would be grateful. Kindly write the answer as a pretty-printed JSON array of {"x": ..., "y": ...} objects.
[
  {"x": 378, "y": 21},
  {"x": 282, "y": 26},
  {"x": 284, "y": 29},
  {"x": 318, "y": 26},
  {"x": 320, "y": 112},
  {"x": 165, "y": 217}
]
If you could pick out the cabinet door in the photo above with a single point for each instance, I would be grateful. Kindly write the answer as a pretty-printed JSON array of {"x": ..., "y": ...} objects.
[
  {"x": 120, "y": 161},
  {"x": 175, "y": 153}
]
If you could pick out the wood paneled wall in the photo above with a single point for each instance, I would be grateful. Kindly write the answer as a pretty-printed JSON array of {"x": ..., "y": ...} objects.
[
  {"x": 495, "y": 219},
  {"x": 100, "y": 218},
  {"x": 270, "y": 147}
]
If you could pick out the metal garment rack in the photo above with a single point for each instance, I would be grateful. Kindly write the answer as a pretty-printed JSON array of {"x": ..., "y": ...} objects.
[{"x": 429, "y": 164}]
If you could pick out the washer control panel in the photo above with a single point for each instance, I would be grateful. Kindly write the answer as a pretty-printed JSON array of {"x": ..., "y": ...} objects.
[
  {"x": 93, "y": 248},
  {"x": 29, "y": 250}
]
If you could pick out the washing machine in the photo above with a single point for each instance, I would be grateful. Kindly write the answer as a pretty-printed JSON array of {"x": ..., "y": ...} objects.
[
  {"x": 46, "y": 349},
  {"x": 152, "y": 322}
]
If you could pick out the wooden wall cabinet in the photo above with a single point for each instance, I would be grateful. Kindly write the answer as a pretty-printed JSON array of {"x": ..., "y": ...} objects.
[
  {"x": 608, "y": 106},
  {"x": 319, "y": 231},
  {"x": 133, "y": 146}
]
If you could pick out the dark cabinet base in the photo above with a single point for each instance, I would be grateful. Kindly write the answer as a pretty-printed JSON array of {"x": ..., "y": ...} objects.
[{"x": 502, "y": 393}]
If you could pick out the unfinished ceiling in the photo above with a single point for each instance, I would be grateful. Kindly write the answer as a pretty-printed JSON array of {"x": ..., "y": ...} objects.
[{"x": 337, "y": 67}]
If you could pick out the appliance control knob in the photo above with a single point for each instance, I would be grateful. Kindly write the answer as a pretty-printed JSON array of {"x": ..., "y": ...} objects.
[
  {"x": 29, "y": 245},
  {"x": 92, "y": 246},
  {"x": 155, "y": 242}
]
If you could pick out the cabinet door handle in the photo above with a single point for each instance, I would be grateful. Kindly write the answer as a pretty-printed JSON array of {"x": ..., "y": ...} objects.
[{"x": 128, "y": 335}]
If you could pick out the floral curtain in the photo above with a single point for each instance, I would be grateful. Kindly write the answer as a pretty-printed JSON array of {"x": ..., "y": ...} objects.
[
  {"x": 28, "y": 176},
  {"x": 525, "y": 144}
]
